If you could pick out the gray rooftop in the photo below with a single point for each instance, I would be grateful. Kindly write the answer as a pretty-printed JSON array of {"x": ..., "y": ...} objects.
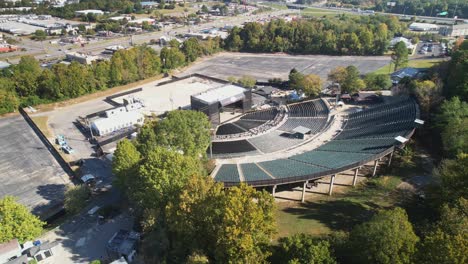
[{"x": 226, "y": 94}]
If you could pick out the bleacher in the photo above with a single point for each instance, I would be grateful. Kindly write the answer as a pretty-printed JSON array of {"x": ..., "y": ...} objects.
[
  {"x": 252, "y": 172},
  {"x": 273, "y": 141},
  {"x": 228, "y": 129},
  {"x": 285, "y": 168},
  {"x": 313, "y": 108},
  {"x": 261, "y": 115},
  {"x": 228, "y": 173},
  {"x": 238, "y": 146},
  {"x": 311, "y": 114},
  {"x": 366, "y": 135}
]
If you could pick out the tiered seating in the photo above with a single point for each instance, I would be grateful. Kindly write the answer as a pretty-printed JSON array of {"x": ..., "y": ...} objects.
[
  {"x": 366, "y": 134},
  {"x": 228, "y": 173},
  {"x": 330, "y": 160},
  {"x": 314, "y": 124},
  {"x": 311, "y": 114},
  {"x": 252, "y": 172},
  {"x": 314, "y": 108},
  {"x": 238, "y": 146},
  {"x": 284, "y": 168},
  {"x": 273, "y": 141},
  {"x": 248, "y": 124},
  {"x": 370, "y": 145},
  {"x": 228, "y": 129},
  {"x": 268, "y": 114}
]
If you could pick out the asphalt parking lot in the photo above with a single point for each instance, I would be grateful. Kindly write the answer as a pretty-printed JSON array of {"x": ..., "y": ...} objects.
[
  {"x": 436, "y": 50},
  {"x": 28, "y": 170},
  {"x": 267, "y": 66}
]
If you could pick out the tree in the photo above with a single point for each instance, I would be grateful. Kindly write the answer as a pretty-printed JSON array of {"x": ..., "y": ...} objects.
[
  {"x": 337, "y": 75},
  {"x": 352, "y": 82},
  {"x": 452, "y": 174},
  {"x": 387, "y": 238},
  {"x": 451, "y": 121},
  {"x": 428, "y": 93},
  {"x": 8, "y": 101},
  {"x": 400, "y": 55},
  {"x": 125, "y": 163},
  {"x": 204, "y": 9},
  {"x": 192, "y": 49},
  {"x": 377, "y": 81},
  {"x": 195, "y": 216},
  {"x": 17, "y": 222},
  {"x": 76, "y": 198},
  {"x": 39, "y": 35},
  {"x": 304, "y": 249},
  {"x": 172, "y": 58},
  {"x": 247, "y": 81},
  {"x": 447, "y": 242},
  {"x": 161, "y": 177},
  {"x": 25, "y": 75},
  {"x": 295, "y": 79},
  {"x": 311, "y": 84},
  {"x": 247, "y": 226},
  {"x": 184, "y": 131}
]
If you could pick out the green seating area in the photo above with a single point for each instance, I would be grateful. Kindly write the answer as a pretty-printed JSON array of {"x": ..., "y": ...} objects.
[
  {"x": 332, "y": 160},
  {"x": 252, "y": 172},
  {"x": 228, "y": 173},
  {"x": 370, "y": 145},
  {"x": 285, "y": 168}
]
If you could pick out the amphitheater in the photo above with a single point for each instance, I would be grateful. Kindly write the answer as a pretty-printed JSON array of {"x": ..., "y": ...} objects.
[{"x": 307, "y": 141}]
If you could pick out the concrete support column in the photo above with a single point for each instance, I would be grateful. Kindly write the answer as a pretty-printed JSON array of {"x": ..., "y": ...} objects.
[
  {"x": 332, "y": 180},
  {"x": 274, "y": 191},
  {"x": 303, "y": 191},
  {"x": 390, "y": 159},
  {"x": 376, "y": 163},
  {"x": 356, "y": 171}
]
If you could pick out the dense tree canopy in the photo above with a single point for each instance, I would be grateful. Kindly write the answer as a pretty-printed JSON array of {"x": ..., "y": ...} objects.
[
  {"x": 453, "y": 177},
  {"x": 303, "y": 249},
  {"x": 377, "y": 81},
  {"x": 387, "y": 238},
  {"x": 452, "y": 121},
  {"x": 185, "y": 131},
  {"x": 17, "y": 222},
  {"x": 447, "y": 242},
  {"x": 364, "y": 35}
]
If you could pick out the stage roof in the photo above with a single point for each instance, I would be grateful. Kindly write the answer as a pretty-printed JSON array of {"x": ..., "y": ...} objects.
[{"x": 226, "y": 95}]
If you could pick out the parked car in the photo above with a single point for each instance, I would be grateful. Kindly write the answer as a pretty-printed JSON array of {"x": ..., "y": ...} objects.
[
  {"x": 67, "y": 149},
  {"x": 60, "y": 140},
  {"x": 88, "y": 179}
]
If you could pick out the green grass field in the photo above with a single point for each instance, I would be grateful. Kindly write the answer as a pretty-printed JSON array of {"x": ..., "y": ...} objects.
[
  {"x": 420, "y": 64},
  {"x": 338, "y": 212}
]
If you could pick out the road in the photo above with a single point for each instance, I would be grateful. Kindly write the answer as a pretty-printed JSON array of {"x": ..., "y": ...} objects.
[
  {"x": 46, "y": 51},
  {"x": 82, "y": 239}
]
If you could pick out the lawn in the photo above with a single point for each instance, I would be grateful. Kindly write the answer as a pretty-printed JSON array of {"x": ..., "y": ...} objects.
[
  {"x": 41, "y": 123},
  {"x": 338, "y": 212},
  {"x": 419, "y": 63}
]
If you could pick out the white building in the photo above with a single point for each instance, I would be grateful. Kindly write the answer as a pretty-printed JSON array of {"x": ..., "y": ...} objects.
[
  {"x": 117, "y": 119},
  {"x": 82, "y": 58},
  {"x": 397, "y": 40},
  {"x": 89, "y": 11},
  {"x": 423, "y": 27}
]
